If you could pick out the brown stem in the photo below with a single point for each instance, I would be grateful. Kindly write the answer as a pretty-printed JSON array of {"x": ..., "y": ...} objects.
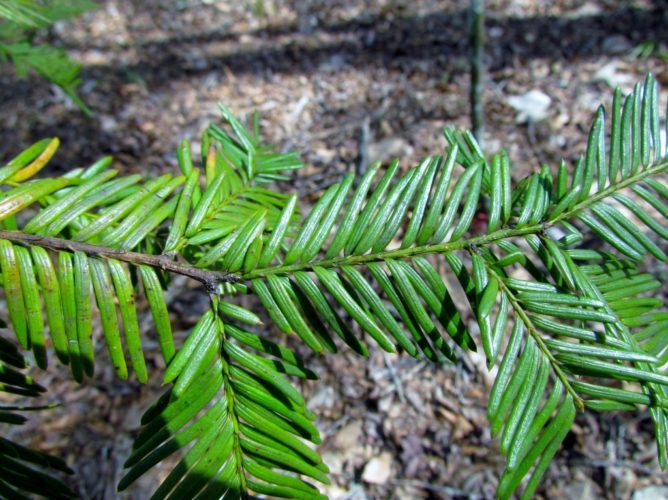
[
  {"x": 210, "y": 279},
  {"x": 477, "y": 54}
]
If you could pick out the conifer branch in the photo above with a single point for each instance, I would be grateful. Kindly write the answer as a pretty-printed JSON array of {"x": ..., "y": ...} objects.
[{"x": 210, "y": 279}]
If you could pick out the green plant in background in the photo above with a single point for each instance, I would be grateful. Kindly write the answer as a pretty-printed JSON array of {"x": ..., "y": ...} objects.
[
  {"x": 20, "y": 20},
  {"x": 570, "y": 327},
  {"x": 647, "y": 49}
]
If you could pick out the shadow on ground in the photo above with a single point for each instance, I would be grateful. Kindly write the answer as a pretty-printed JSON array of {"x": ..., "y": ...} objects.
[{"x": 437, "y": 44}]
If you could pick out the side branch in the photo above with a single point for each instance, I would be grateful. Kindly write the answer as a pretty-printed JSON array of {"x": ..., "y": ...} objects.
[{"x": 210, "y": 279}]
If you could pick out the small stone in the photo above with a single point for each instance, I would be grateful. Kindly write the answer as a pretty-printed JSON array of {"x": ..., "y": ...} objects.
[
  {"x": 108, "y": 123},
  {"x": 147, "y": 127},
  {"x": 532, "y": 106},
  {"x": 334, "y": 461},
  {"x": 349, "y": 436},
  {"x": 324, "y": 398},
  {"x": 378, "y": 469},
  {"x": 335, "y": 492},
  {"x": 385, "y": 403},
  {"x": 585, "y": 489},
  {"x": 325, "y": 155},
  {"x": 389, "y": 148},
  {"x": 610, "y": 74},
  {"x": 616, "y": 45},
  {"x": 653, "y": 492},
  {"x": 396, "y": 410}
]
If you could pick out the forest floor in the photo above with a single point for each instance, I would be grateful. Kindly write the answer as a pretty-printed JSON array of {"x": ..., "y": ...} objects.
[{"x": 317, "y": 71}]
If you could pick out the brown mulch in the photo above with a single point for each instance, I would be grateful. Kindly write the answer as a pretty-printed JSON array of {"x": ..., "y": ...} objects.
[{"x": 316, "y": 71}]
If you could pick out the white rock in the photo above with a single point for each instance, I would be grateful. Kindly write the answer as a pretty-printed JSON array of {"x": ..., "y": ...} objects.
[
  {"x": 378, "y": 469},
  {"x": 389, "y": 148},
  {"x": 531, "y": 106},
  {"x": 334, "y": 461},
  {"x": 108, "y": 123},
  {"x": 651, "y": 493},
  {"x": 610, "y": 74},
  {"x": 335, "y": 492}
]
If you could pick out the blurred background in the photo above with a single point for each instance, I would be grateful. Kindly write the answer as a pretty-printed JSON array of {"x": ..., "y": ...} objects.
[{"x": 342, "y": 82}]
